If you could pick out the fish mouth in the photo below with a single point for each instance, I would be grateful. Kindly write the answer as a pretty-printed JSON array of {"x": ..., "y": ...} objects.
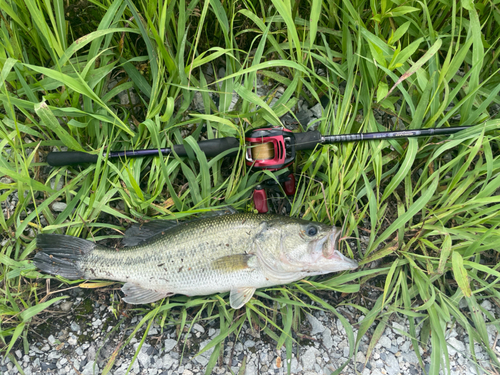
[
  {"x": 328, "y": 244},
  {"x": 330, "y": 253}
]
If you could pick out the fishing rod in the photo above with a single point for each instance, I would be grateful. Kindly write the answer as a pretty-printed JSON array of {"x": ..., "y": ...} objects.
[
  {"x": 267, "y": 148},
  {"x": 274, "y": 148}
]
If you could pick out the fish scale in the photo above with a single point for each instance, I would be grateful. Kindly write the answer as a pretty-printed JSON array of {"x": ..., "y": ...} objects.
[
  {"x": 236, "y": 253},
  {"x": 186, "y": 261}
]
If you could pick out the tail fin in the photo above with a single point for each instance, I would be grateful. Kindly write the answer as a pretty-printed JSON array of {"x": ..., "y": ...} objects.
[{"x": 60, "y": 254}]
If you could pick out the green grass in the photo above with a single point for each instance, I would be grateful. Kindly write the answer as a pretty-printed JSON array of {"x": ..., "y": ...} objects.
[{"x": 427, "y": 206}]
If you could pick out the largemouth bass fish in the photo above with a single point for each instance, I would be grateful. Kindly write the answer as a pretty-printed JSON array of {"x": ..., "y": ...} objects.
[{"x": 233, "y": 253}]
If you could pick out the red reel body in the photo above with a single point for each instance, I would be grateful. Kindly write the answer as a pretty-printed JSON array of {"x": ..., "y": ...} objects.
[{"x": 283, "y": 148}]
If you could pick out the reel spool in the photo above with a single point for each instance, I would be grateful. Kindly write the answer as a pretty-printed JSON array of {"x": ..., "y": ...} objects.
[
  {"x": 270, "y": 148},
  {"x": 262, "y": 151}
]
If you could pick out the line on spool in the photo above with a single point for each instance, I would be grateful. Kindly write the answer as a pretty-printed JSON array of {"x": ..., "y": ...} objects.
[{"x": 262, "y": 151}]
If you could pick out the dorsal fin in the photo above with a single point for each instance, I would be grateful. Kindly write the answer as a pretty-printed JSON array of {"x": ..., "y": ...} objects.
[{"x": 138, "y": 233}]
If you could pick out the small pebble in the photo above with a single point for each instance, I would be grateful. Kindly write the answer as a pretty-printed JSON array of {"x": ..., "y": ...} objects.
[
  {"x": 59, "y": 206},
  {"x": 75, "y": 327},
  {"x": 170, "y": 344},
  {"x": 198, "y": 328}
]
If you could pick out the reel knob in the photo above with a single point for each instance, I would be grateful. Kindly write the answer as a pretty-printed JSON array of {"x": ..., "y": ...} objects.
[{"x": 260, "y": 199}]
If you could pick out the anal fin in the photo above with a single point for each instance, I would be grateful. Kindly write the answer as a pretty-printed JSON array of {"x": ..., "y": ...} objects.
[
  {"x": 240, "y": 296},
  {"x": 136, "y": 295}
]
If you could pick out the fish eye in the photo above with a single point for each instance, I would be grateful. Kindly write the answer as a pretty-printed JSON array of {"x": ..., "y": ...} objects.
[{"x": 312, "y": 231}]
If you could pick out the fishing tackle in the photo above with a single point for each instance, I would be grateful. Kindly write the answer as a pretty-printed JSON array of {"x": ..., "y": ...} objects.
[
  {"x": 275, "y": 148},
  {"x": 267, "y": 148}
]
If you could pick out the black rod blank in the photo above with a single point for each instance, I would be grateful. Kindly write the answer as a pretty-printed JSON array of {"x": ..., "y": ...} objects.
[{"x": 329, "y": 139}]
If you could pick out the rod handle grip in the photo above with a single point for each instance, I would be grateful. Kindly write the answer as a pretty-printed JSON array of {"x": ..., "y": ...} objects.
[
  {"x": 58, "y": 159},
  {"x": 212, "y": 147},
  {"x": 307, "y": 140}
]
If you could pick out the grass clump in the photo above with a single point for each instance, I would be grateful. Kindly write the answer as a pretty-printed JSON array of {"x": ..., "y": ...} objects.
[{"x": 123, "y": 74}]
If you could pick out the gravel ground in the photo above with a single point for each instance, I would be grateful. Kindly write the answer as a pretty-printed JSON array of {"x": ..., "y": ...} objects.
[
  {"x": 78, "y": 337},
  {"x": 81, "y": 343}
]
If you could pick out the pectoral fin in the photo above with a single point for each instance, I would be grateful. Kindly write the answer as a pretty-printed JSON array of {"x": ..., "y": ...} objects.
[
  {"x": 136, "y": 295},
  {"x": 240, "y": 296},
  {"x": 232, "y": 263}
]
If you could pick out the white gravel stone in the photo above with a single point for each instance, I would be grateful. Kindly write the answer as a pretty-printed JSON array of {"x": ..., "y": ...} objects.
[
  {"x": 455, "y": 346},
  {"x": 410, "y": 357},
  {"x": 168, "y": 361},
  {"x": 213, "y": 332},
  {"x": 51, "y": 339},
  {"x": 317, "y": 326},
  {"x": 60, "y": 184},
  {"x": 405, "y": 347},
  {"x": 66, "y": 305},
  {"x": 75, "y": 327},
  {"x": 452, "y": 333},
  {"x": 89, "y": 368},
  {"x": 204, "y": 357},
  {"x": 251, "y": 368},
  {"x": 135, "y": 367},
  {"x": 340, "y": 328},
  {"x": 392, "y": 365},
  {"x": 59, "y": 206},
  {"x": 295, "y": 366},
  {"x": 398, "y": 327},
  {"x": 385, "y": 342},
  {"x": 346, "y": 351},
  {"x": 143, "y": 357},
  {"x": 169, "y": 345},
  {"x": 486, "y": 305},
  {"x": 238, "y": 348},
  {"x": 249, "y": 344},
  {"x": 327, "y": 339},
  {"x": 317, "y": 110},
  {"x": 152, "y": 331},
  {"x": 198, "y": 328},
  {"x": 309, "y": 358},
  {"x": 360, "y": 357}
]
